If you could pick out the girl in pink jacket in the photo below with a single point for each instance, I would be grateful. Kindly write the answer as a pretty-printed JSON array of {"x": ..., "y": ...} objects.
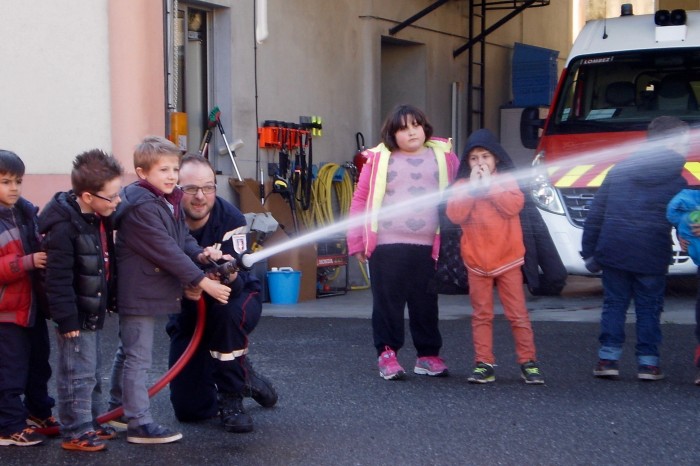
[{"x": 402, "y": 245}]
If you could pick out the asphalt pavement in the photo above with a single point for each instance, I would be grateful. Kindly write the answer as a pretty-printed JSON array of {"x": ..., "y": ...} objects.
[{"x": 334, "y": 409}]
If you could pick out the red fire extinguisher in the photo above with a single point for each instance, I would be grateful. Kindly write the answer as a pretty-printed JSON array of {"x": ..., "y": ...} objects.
[{"x": 359, "y": 159}]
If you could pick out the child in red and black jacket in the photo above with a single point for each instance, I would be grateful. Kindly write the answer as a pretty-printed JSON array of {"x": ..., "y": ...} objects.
[{"x": 24, "y": 338}]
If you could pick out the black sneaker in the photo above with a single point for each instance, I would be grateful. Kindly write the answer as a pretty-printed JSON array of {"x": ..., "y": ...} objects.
[
  {"x": 530, "y": 372},
  {"x": 646, "y": 372},
  {"x": 482, "y": 373},
  {"x": 23, "y": 438},
  {"x": 151, "y": 433},
  {"x": 233, "y": 416},
  {"x": 259, "y": 388},
  {"x": 606, "y": 368},
  {"x": 46, "y": 423}
]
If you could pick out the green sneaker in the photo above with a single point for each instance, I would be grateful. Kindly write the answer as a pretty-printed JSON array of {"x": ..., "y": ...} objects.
[
  {"x": 482, "y": 373},
  {"x": 531, "y": 373}
]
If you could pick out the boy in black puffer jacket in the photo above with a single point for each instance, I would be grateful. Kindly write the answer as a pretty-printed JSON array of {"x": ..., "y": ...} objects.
[{"x": 80, "y": 275}]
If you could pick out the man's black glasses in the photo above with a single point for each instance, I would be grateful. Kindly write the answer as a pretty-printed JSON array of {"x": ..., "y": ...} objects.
[{"x": 192, "y": 190}]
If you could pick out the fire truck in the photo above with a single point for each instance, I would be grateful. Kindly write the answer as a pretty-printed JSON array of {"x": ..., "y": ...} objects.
[{"x": 621, "y": 73}]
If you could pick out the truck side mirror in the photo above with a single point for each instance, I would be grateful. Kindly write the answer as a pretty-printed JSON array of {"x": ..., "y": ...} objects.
[{"x": 530, "y": 125}]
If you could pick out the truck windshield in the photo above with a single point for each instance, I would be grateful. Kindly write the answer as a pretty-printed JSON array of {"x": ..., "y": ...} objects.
[{"x": 625, "y": 91}]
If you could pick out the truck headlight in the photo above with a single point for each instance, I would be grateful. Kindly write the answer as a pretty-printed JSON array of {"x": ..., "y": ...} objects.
[{"x": 543, "y": 193}]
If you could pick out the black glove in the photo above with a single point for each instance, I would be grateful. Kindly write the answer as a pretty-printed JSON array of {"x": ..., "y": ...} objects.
[{"x": 591, "y": 265}]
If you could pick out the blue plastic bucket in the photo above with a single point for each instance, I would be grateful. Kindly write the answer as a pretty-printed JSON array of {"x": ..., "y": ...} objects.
[{"x": 283, "y": 285}]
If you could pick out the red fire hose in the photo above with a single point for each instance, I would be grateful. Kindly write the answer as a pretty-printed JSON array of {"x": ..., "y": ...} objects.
[{"x": 165, "y": 379}]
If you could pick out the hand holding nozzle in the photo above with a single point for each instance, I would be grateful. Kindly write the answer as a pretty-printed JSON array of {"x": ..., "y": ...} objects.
[
  {"x": 227, "y": 272},
  {"x": 211, "y": 253},
  {"x": 216, "y": 290}
]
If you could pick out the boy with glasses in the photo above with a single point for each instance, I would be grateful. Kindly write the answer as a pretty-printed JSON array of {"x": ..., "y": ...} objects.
[{"x": 80, "y": 277}]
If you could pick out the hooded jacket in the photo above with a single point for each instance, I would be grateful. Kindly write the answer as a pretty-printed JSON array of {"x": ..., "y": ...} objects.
[
  {"x": 626, "y": 227},
  {"x": 679, "y": 212},
  {"x": 155, "y": 253},
  {"x": 78, "y": 290},
  {"x": 19, "y": 239},
  {"x": 492, "y": 237},
  {"x": 370, "y": 189}
]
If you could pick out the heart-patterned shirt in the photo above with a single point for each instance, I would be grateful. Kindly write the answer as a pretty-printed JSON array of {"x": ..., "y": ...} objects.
[{"x": 409, "y": 177}]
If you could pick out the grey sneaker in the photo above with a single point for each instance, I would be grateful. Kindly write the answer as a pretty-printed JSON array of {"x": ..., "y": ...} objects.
[
  {"x": 482, "y": 373},
  {"x": 151, "y": 433},
  {"x": 530, "y": 373}
]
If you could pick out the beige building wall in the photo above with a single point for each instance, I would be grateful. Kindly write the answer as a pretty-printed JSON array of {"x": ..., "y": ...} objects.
[
  {"x": 92, "y": 74},
  {"x": 76, "y": 76},
  {"x": 54, "y": 86}
]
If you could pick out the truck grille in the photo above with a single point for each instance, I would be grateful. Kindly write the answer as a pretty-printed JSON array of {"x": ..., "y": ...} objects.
[{"x": 578, "y": 203}]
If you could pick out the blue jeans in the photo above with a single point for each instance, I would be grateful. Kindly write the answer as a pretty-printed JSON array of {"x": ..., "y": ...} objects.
[
  {"x": 78, "y": 382},
  {"x": 117, "y": 378},
  {"x": 619, "y": 288},
  {"x": 136, "y": 334},
  {"x": 697, "y": 311}
]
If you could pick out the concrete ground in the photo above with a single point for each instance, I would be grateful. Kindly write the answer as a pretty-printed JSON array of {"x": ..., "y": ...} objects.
[
  {"x": 335, "y": 409},
  {"x": 580, "y": 302}
]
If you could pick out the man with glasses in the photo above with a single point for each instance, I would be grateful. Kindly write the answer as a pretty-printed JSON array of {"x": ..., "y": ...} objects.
[{"x": 219, "y": 375}]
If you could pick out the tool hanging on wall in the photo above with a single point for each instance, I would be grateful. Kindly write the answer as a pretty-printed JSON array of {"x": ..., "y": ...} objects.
[
  {"x": 359, "y": 159},
  {"x": 215, "y": 117},
  {"x": 304, "y": 168},
  {"x": 282, "y": 187},
  {"x": 292, "y": 179},
  {"x": 206, "y": 139}
]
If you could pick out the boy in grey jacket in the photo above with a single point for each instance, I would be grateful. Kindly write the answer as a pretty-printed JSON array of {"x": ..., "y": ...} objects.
[{"x": 156, "y": 260}]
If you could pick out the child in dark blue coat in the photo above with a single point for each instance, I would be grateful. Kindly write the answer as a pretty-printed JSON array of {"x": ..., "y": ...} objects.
[{"x": 627, "y": 236}]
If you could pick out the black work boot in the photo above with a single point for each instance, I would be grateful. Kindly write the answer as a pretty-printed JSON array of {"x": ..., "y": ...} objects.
[
  {"x": 233, "y": 416},
  {"x": 259, "y": 388}
]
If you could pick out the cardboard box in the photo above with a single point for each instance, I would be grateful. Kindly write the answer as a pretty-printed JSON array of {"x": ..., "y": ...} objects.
[{"x": 302, "y": 258}]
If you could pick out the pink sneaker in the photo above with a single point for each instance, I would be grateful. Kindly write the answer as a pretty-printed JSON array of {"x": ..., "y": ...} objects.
[
  {"x": 433, "y": 366},
  {"x": 389, "y": 367}
]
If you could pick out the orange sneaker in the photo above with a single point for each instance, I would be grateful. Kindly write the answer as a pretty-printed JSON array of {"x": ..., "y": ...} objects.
[{"x": 89, "y": 441}]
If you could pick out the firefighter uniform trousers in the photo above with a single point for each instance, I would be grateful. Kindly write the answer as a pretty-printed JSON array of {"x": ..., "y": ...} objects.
[{"x": 219, "y": 364}]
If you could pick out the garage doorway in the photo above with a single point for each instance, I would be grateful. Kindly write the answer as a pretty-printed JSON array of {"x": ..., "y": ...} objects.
[{"x": 403, "y": 74}]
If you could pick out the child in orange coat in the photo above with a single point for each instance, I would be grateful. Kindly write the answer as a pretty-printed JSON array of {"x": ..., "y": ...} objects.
[{"x": 486, "y": 202}]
